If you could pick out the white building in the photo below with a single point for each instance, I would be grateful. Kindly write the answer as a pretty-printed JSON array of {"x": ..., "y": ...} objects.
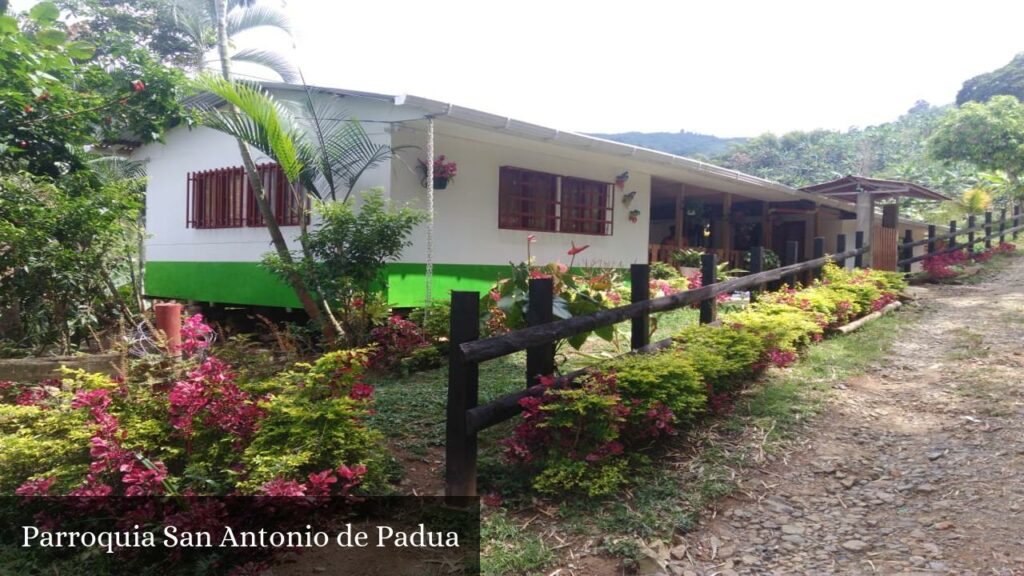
[{"x": 514, "y": 179}]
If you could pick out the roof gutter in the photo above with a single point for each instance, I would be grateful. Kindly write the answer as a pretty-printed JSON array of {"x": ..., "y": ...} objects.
[{"x": 583, "y": 142}]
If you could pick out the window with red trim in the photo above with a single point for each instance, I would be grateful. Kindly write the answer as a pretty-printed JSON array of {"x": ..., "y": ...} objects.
[
  {"x": 530, "y": 200},
  {"x": 527, "y": 200},
  {"x": 223, "y": 198},
  {"x": 586, "y": 207}
]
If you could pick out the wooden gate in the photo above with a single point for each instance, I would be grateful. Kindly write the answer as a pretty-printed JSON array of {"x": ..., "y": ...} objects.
[{"x": 884, "y": 239}]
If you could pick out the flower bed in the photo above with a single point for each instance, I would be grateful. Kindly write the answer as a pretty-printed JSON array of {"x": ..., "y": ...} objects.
[
  {"x": 949, "y": 265},
  {"x": 585, "y": 436},
  {"x": 193, "y": 428}
]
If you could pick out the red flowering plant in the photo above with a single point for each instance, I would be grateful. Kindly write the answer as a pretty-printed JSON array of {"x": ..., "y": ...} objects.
[
  {"x": 947, "y": 265},
  {"x": 209, "y": 431},
  {"x": 575, "y": 294},
  {"x": 582, "y": 436},
  {"x": 442, "y": 168}
]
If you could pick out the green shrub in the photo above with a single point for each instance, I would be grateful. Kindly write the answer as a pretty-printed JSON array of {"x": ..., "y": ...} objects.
[
  {"x": 647, "y": 379},
  {"x": 723, "y": 356},
  {"x": 663, "y": 271},
  {"x": 779, "y": 326},
  {"x": 437, "y": 321},
  {"x": 196, "y": 424}
]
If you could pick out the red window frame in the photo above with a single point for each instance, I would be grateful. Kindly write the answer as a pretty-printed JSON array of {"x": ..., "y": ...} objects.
[
  {"x": 223, "y": 198},
  {"x": 586, "y": 207},
  {"x": 527, "y": 200},
  {"x": 543, "y": 202}
]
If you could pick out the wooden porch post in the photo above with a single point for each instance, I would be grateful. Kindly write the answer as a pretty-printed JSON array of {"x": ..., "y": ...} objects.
[
  {"x": 726, "y": 226},
  {"x": 766, "y": 225},
  {"x": 865, "y": 218},
  {"x": 680, "y": 215}
]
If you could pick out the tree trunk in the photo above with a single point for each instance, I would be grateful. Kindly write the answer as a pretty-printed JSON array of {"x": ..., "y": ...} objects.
[{"x": 309, "y": 304}]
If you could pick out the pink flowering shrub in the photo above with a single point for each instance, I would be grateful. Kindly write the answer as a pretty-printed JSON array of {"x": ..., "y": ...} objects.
[
  {"x": 196, "y": 335},
  {"x": 948, "y": 265},
  {"x": 193, "y": 427},
  {"x": 585, "y": 436},
  {"x": 395, "y": 340},
  {"x": 576, "y": 438}
]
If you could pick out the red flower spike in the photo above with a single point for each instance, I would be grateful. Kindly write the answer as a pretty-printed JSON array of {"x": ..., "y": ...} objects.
[
  {"x": 138, "y": 86},
  {"x": 577, "y": 249}
]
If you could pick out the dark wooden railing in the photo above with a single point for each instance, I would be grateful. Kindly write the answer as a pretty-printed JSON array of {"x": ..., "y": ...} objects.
[
  {"x": 466, "y": 418},
  {"x": 988, "y": 228}
]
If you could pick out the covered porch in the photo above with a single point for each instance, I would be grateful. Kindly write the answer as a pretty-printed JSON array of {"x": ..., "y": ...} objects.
[{"x": 730, "y": 224}]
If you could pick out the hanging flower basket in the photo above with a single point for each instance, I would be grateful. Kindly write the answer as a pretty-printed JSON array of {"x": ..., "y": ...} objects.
[{"x": 443, "y": 172}]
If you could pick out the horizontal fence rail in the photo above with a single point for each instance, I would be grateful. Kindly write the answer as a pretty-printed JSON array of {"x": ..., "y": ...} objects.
[
  {"x": 990, "y": 230},
  {"x": 491, "y": 348},
  {"x": 466, "y": 418}
]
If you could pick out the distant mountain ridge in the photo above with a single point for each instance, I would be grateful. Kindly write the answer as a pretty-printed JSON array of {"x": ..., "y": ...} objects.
[{"x": 681, "y": 143}]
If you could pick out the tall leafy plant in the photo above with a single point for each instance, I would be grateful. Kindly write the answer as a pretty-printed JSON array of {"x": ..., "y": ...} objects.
[{"x": 321, "y": 158}]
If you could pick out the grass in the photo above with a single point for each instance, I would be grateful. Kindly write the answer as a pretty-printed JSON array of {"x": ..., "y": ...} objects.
[
  {"x": 411, "y": 410},
  {"x": 508, "y": 548}
]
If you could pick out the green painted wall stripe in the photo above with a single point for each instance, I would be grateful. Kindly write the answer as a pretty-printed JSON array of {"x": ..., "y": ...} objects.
[
  {"x": 222, "y": 282},
  {"x": 407, "y": 281},
  {"x": 247, "y": 283}
]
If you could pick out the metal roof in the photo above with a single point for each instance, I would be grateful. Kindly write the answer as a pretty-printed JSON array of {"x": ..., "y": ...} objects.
[
  {"x": 847, "y": 187},
  {"x": 575, "y": 140}
]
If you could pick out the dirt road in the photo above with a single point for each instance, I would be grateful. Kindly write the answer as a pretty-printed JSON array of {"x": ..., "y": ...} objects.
[{"x": 916, "y": 467}]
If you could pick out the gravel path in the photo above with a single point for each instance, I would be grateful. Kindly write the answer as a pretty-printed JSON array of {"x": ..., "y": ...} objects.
[{"x": 916, "y": 467}]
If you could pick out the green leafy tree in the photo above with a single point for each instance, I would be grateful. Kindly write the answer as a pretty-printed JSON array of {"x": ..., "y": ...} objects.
[
  {"x": 183, "y": 33},
  {"x": 989, "y": 136},
  {"x": 317, "y": 159},
  {"x": 1008, "y": 80},
  {"x": 64, "y": 257},
  {"x": 57, "y": 95}
]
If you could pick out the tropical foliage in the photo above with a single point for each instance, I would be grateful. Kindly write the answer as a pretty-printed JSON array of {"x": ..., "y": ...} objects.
[{"x": 70, "y": 218}]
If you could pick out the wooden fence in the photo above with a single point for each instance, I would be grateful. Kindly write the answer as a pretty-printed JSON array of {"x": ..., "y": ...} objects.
[
  {"x": 466, "y": 418},
  {"x": 990, "y": 229}
]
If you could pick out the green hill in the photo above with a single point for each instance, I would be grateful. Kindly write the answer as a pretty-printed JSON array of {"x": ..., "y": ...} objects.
[{"x": 681, "y": 143}]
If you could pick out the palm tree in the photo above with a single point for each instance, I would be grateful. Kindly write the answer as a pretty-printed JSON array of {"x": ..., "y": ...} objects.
[
  {"x": 198, "y": 19},
  {"x": 324, "y": 159},
  {"x": 220, "y": 8}
]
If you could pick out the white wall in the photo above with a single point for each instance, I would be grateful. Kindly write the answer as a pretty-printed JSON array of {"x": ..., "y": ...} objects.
[
  {"x": 466, "y": 225},
  {"x": 188, "y": 150}
]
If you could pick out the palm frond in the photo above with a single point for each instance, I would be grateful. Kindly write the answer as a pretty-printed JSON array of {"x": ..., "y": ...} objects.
[
  {"x": 279, "y": 63},
  {"x": 113, "y": 168},
  {"x": 244, "y": 18},
  {"x": 261, "y": 121},
  {"x": 352, "y": 152}
]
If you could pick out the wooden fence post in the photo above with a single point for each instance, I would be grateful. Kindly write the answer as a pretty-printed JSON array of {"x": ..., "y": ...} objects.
[
  {"x": 952, "y": 234},
  {"x": 463, "y": 389},
  {"x": 640, "y": 280},
  {"x": 792, "y": 257},
  {"x": 756, "y": 265},
  {"x": 540, "y": 360},
  {"x": 819, "y": 251},
  {"x": 988, "y": 229},
  {"x": 709, "y": 275},
  {"x": 907, "y": 252},
  {"x": 971, "y": 223},
  {"x": 1016, "y": 219},
  {"x": 1002, "y": 226},
  {"x": 858, "y": 243},
  {"x": 840, "y": 248},
  {"x": 931, "y": 239}
]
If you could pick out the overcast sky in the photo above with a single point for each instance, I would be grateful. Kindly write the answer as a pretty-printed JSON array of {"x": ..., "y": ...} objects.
[{"x": 730, "y": 68}]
